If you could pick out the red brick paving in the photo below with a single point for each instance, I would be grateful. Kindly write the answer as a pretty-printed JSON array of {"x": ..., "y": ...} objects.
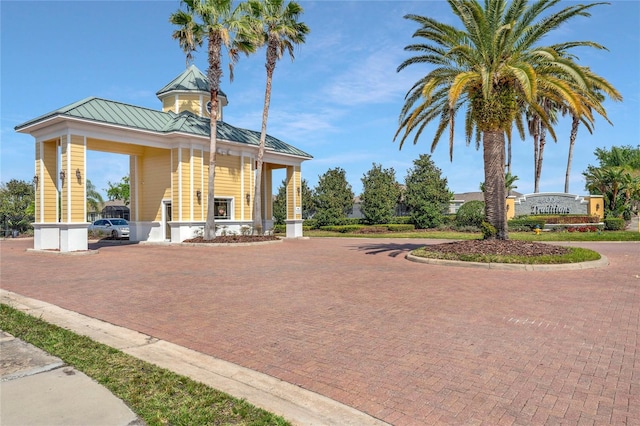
[{"x": 351, "y": 319}]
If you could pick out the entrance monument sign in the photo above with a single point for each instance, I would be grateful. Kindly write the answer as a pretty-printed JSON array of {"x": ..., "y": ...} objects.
[{"x": 550, "y": 203}]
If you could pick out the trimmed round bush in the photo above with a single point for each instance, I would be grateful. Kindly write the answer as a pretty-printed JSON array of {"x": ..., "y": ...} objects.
[
  {"x": 470, "y": 213},
  {"x": 613, "y": 224}
]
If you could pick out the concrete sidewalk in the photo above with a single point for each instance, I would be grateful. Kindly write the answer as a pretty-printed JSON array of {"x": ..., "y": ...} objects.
[{"x": 38, "y": 389}]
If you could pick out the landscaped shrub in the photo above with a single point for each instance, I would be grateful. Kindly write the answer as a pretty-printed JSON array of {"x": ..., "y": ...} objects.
[
  {"x": 342, "y": 228},
  {"x": 281, "y": 229},
  {"x": 461, "y": 228},
  {"x": 614, "y": 224},
  {"x": 398, "y": 227},
  {"x": 488, "y": 230},
  {"x": 470, "y": 213},
  {"x": 310, "y": 224},
  {"x": 567, "y": 219},
  {"x": 587, "y": 228},
  {"x": 401, "y": 220},
  {"x": 527, "y": 223}
]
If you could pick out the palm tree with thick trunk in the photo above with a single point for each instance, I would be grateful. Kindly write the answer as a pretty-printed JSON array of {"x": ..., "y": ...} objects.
[
  {"x": 493, "y": 67},
  {"x": 224, "y": 26},
  {"x": 280, "y": 31}
]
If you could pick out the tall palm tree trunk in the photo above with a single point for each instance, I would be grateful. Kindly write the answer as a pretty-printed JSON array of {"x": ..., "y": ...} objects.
[
  {"x": 535, "y": 127},
  {"x": 257, "y": 199},
  {"x": 495, "y": 192},
  {"x": 509, "y": 156},
  {"x": 572, "y": 140},
  {"x": 213, "y": 74},
  {"x": 542, "y": 142}
]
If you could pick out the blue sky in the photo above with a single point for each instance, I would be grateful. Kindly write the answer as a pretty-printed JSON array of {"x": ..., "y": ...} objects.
[{"x": 339, "y": 100}]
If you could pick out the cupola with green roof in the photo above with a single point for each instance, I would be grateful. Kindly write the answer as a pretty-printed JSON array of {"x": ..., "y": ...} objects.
[{"x": 190, "y": 92}]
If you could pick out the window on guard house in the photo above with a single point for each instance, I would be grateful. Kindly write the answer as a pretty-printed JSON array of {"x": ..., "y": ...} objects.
[{"x": 223, "y": 208}]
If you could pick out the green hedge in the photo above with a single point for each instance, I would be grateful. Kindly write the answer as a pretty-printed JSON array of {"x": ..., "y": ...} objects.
[
  {"x": 342, "y": 228},
  {"x": 525, "y": 224},
  {"x": 614, "y": 224},
  {"x": 369, "y": 229},
  {"x": 398, "y": 227},
  {"x": 401, "y": 220},
  {"x": 567, "y": 219}
]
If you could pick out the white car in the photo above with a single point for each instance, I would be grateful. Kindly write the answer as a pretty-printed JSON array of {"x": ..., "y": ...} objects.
[{"x": 117, "y": 228}]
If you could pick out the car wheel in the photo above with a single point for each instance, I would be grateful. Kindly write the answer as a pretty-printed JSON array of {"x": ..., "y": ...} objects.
[{"x": 114, "y": 234}]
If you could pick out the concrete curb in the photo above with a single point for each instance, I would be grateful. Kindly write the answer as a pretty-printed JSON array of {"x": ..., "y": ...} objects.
[
  {"x": 64, "y": 253},
  {"x": 600, "y": 263},
  {"x": 299, "y": 406}
]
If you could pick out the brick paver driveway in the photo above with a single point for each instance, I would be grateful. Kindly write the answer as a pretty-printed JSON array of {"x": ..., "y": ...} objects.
[{"x": 351, "y": 319}]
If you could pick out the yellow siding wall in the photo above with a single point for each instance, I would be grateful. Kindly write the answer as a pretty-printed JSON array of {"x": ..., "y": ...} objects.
[
  {"x": 249, "y": 182},
  {"x": 175, "y": 184},
  {"x": 48, "y": 182},
  {"x": 78, "y": 201},
  {"x": 189, "y": 103},
  {"x": 132, "y": 186},
  {"x": 168, "y": 104},
  {"x": 187, "y": 193},
  {"x": 38, "y": 186},
  {"x": 114, "y": 147},
  {"x": 293, "y": 199},
  {"x": 155, "y": 183},
  {"x": 267, "y": 196},
  {"x": 199, "y": 184},
  {"x": 228, "y": 182},
  {"x": 64, "y": 193}
]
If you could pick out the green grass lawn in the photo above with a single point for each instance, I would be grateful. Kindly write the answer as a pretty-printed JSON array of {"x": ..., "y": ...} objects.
[
  {"x": 574, "y": 255},
  {"x": 156, "y": 395},
  {"x": 523, "y": 236}
]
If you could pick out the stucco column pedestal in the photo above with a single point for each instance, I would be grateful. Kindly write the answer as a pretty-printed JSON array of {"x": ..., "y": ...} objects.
[{"x": 294, "y": 228}]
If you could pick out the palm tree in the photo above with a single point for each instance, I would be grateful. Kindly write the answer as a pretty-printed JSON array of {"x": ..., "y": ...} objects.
[
  {"x": 509, "y": 183},
  {"x": 492, "y": 67},
  {"x": 593, "y": 98},
  {"x": 224, "y": 27},
  {"x": 538, "y": 131},
  {"x": 94, "y": 198},
  {"x": 280, "y": 31},
  {"x": 189, "y": 34}
]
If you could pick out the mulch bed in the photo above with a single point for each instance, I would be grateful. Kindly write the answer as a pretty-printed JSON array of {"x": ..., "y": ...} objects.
[{"x": 498, "y": 247}]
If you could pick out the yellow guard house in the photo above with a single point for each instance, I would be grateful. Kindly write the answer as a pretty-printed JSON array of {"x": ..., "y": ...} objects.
[{"x": 169, "y": 161}]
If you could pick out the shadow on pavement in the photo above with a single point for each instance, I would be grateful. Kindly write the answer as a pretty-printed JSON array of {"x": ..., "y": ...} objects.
[{"x": 391, "y": 249}]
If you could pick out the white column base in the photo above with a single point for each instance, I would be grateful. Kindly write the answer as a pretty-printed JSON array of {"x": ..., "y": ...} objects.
[
  {"x": 46, "y": 236},
  {"x": 64, "y": 237},
  {"x": 146, "y": 231},
  {"x": 294, "y": 228}
]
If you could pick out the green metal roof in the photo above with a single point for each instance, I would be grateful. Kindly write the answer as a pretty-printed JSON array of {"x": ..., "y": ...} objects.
[
  {"x": 191, "y": 80},
  {"x": 116, "y": 113}
]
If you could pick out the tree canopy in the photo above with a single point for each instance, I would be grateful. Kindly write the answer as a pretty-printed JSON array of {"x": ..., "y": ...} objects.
[
  {"x": 17, "y": 205},
  {"x": 333, "y": 197},
  {"x": 380, "y": 194},
  {"x": 617, "y": 179},
  {"x": 493, "y": 67},
  {"x": 120, "y": 190},
  {"x": 427, "y": 195}
]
